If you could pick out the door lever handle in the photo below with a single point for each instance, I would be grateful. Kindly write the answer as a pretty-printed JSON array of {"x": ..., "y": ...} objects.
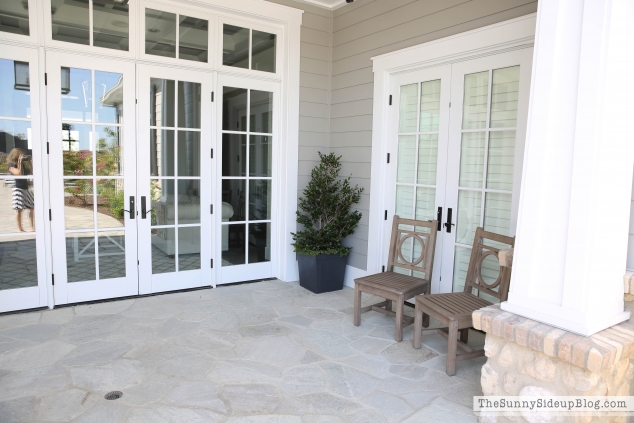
[
  {"x": 448, "y": 224},
  {"x": 132, "y": 208},
  {"x": 144, "y": 212}
]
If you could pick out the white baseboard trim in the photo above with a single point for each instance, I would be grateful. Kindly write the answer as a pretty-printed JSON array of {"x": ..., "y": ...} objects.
[{"x": 351, "y": 274}]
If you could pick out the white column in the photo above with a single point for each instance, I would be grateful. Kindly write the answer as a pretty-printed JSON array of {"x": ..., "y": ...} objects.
[{"x": 573, "y": 221}]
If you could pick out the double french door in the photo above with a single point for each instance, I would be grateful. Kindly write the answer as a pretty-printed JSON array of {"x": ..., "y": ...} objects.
[
  {"x": 157, "y": 182},
  {"x": 459, "y": 132}
]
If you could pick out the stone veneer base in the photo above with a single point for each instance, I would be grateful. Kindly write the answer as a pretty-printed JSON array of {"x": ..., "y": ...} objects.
[{"x": 527, "y": 358}]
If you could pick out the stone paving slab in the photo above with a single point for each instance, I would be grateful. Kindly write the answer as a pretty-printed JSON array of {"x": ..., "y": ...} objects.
[{"x": 267, "y": 352}]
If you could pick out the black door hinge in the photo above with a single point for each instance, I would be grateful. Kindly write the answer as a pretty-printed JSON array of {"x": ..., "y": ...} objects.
[
  {"x": 385, "y": 218},
  {"x": 50, "y": 215},
  {"x": 138, "y": 263},
  {"x": 212, "y": 96},
  {"x": 136, "y": 101},
  {"x": 212, "y": 153},
  {"x": 388, "y": 157},
  {"x": 45, "y": 79},
  {"x": 47, "y": 147},
  {"x": 382, "y": 268},
  {"x": 53, "y": 279},
  {"x": 390, "y": 99},
  {"x": 212, "y": 263},
  {"x": 211, "y": 209}
]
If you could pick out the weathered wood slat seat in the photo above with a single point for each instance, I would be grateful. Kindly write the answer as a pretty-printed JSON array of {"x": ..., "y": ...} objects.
[
  {"x": 395, "y": 286},
  {"x": 455, "y": 309}
]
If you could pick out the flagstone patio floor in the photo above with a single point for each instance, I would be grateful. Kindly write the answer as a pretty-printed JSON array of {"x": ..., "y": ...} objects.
[{"x": 261, "y": 352}]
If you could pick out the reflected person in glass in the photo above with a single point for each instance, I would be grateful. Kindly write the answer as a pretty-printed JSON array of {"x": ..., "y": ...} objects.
[{"x": 19, "y": 164}]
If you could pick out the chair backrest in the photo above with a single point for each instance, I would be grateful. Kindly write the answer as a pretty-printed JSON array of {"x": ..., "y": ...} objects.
[
  {"x": 424, "y": 234},
  {"x": 481, "y": 251}
]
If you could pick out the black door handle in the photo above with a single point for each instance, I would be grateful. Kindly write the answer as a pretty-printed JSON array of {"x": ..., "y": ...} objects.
[
  {"x": 144, "y": 212},
  {"x": 448, "y": 224},
  {"x": 132, "y": 208},
  {"x": 439, "y": 218}
]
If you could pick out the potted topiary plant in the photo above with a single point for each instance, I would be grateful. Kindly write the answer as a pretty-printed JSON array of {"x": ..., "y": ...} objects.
[{"x": 324, "y": 212}]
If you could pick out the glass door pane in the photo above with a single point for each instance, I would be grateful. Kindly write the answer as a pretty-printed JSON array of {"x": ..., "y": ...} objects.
[{"x": 22, "y": 268}]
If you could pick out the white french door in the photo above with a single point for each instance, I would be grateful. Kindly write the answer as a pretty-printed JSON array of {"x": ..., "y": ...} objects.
[
  {"x": 248, "y": 144},
  {"x": 489, "y": 99},
  {"x": 459, "y": 142},
  {"x": 175, "y": 182},
  {"x": 22, "y": 192},
  {"x": 421, "y": 137},
  {"x": 92, "y": 177}
]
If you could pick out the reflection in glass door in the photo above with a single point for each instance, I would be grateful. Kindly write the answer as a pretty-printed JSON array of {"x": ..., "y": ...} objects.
[
  {"x": 247, "y": 176},
  {"x": 93, "y": 168},
  {"x": 175, "y": 183},
  {"x": 22, "y": 263}
]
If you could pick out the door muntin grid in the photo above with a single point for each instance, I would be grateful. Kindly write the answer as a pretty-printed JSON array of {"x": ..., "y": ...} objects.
[
  {"x": 487, "y": 157},
  {"x": 417, "y": 157},
  {"x": 175, "y": 175},
  {"x": 93, "y": 171},
  {"x": 247, "y": 139}
]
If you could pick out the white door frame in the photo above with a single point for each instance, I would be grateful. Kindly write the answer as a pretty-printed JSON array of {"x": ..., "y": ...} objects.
[
  {"x": 509, "y": 35},
  {"x": 40, "y": 295},
  {"x": 90, "y": 290},
  {"x": 148, "y": 282}
]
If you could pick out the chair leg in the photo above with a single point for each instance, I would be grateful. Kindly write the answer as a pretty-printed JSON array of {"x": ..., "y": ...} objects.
[
  {"x": 451, "y": 350},
  {"x": 398, "y": 336},
  {"x": 464, "y": 335},
  {"x": 357, "y": 305},
  {"x": 418, "y": 326}
]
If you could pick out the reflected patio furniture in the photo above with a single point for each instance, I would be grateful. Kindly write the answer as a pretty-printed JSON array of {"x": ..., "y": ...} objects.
[
  {"x": 454, "y": 309},
  {"x": 399, "y": 286}
]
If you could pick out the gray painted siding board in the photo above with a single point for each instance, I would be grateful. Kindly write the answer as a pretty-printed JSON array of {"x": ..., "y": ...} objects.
[
  {"x": 354, "y": 7},
  {"x": 354, "y": 154},
  {"x": 311, "y": 154},
  {"x": 314, "y": 36},
  {"x": 357, "y": 77},
  {"x": 403, "y": 12},
  {"x": 351, "y": 108},
  {"x": 315, "y": 51},
  {"x": 305, "y": 166},
  {"x": 351, "y": 124},
  {"x": 362, "y": 60},
  {"x": 473, "y": 10},
  {"x": 357, "y": 260},
  {"x": 313, "y": 139},
  {"x": 359, "y": 246},
  {"x": 312, "y": 124},
  {"x": 313, "y": 95},
  {"x": 352, "y": 139},
  {"x": 368, "y": 12},
  {"x": 361, "y": 183},
  {"x": 358, "y": 170},
  {"x": 365, "y": 216},
  {"x": 357, "y": 92},
  {"x": 319, "y": 67},
  {"x": 313, "y": 110},
  {"x": 312, "y": 80},
  {"x": 320, "y": 23}
]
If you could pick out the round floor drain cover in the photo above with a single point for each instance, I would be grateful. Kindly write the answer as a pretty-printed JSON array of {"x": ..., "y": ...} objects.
[{"x": 114, "y": 395}]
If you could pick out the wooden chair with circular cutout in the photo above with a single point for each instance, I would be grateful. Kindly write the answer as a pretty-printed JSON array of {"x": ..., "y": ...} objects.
[
  {"x": 418, "y": 238},
  {"x": 454, "y": 309}
]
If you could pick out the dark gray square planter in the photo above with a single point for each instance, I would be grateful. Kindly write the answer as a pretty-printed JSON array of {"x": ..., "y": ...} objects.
[{"x": 322, "y": 273}]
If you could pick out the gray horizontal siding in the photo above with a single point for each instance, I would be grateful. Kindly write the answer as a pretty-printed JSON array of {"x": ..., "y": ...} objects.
[
  {"x": 368, "y": 28},
  {"x": 337, "y": 82}
]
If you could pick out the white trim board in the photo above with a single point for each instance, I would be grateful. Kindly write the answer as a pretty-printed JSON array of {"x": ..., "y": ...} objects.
[
  {"x": 509, "y": 35},
  {"x": 325, "y": 4}
]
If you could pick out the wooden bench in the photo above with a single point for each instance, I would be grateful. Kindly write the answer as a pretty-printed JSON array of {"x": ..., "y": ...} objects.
[
  {"x": 455, "y": 309},
  {"x": 398, "y": 287}
]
